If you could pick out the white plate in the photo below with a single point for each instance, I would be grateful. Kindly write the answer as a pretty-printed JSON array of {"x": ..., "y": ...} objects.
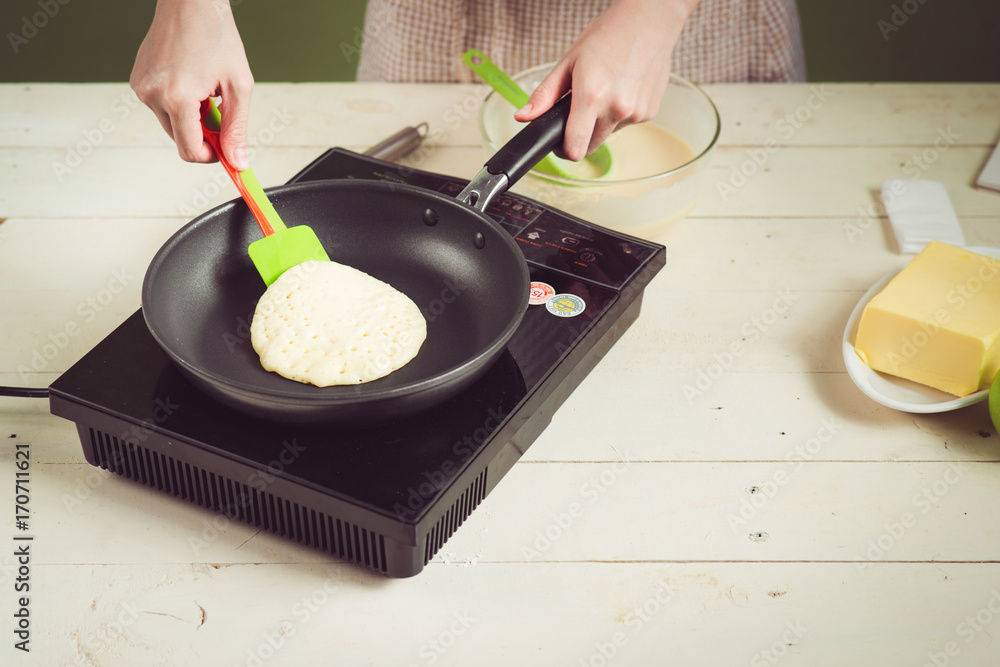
[{"x": 892, "y": 391}]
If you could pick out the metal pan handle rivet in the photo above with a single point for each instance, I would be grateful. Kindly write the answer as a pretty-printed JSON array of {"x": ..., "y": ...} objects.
[
  {"x": 479, "y": 240},
  {"x": 430, "y": 217}
]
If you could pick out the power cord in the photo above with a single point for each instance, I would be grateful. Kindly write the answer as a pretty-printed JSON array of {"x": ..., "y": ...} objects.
[{"x": 25, "y": 392}]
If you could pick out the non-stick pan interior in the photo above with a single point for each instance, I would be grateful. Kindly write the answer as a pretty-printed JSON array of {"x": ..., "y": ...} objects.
[{"x": 201, "y": 288}]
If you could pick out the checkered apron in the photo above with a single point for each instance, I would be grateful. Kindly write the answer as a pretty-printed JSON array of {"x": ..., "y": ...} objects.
[{"x": 423, "y": 40}]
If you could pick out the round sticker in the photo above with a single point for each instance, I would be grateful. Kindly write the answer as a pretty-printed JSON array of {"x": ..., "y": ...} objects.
[
  {"x": 565, "y": 305},
  {"x": 540, "y": 293}
]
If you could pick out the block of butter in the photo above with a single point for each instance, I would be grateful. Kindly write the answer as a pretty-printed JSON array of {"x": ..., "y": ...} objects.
[{"x": 937, "y": 322}]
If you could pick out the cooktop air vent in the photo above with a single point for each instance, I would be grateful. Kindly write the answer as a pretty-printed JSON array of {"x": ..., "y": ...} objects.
[
  {"x": 453, "y": 518},
  {"x": 240, "y": 502}
]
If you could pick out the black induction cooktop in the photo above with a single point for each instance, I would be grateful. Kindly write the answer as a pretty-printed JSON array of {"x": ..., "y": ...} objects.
[{"x": 385, "y": 496}]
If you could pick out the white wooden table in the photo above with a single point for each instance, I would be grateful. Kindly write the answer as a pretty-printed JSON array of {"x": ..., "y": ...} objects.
[{"x": 778, "y": 517}]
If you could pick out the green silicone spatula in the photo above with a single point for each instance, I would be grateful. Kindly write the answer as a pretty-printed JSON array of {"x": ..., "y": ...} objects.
[
  {"x": 508, "y": 89},
  {"x": 282, "y": 247}
]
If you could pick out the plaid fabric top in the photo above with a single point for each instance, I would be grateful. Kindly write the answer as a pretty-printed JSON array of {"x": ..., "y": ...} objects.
[{"x": 423, "y": 40}]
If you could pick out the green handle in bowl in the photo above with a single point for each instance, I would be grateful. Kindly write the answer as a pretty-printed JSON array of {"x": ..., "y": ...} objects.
[
  {"x": 508, "y": 89},
  {"x": 497, "y": 79}
]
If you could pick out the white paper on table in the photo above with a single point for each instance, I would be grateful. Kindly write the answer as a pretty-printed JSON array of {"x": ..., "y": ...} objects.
[
  {"x": 989, "y": 177},
  {"x": 920, "y": 211}
]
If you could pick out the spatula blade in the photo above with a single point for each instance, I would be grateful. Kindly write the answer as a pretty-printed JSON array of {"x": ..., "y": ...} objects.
[{"x": 275, "y": 254}]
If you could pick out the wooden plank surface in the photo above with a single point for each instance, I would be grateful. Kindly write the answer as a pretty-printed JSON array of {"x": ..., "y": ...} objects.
[
  {"x": 542, "y": 614},
  {"x": 794, "y": 182},
  {"x": 800, "y": 182},
  {"x": 779, "y": 514},
  {"x": 799, "y": 510},
  {"x": 364, "y": 113}
]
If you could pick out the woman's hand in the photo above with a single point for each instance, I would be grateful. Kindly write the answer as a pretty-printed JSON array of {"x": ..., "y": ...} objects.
[
  {"x": 193, "y": 51},
  {"x": 617, "y": 69}
]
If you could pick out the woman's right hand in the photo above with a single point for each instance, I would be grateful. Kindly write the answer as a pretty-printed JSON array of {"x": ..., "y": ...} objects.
[{"x": 193, "y": 51}]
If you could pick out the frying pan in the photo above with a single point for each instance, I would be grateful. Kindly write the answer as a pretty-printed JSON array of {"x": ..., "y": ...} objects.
[{"x": 460, "y": 267}]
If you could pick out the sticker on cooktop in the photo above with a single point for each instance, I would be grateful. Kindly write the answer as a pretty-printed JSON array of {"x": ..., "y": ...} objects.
[
  {"x": 565, "y": 305},
  {"x": 540, "y": 293}
]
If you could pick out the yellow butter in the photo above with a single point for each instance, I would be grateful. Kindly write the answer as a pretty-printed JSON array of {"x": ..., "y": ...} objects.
[{"x": 937, "y": 322}]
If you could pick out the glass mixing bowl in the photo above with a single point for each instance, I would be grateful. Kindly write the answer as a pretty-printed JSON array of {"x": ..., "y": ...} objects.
[{"x": 643, "y": 206}]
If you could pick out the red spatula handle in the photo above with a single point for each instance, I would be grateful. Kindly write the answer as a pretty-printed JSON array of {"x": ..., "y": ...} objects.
[{"x": 215, "y": 141}]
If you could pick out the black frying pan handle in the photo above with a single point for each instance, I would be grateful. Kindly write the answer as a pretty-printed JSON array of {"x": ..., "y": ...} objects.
[
  {"x": 517, "y": 156},
  {"x": 520, "y": 154}
]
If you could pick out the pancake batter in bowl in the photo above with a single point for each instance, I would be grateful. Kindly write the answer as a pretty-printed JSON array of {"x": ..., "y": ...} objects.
[{"x": 638, "y": 151}]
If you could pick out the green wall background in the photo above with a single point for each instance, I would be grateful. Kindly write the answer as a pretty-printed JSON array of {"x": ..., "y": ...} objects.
[{"x": 314, "y": 40}]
